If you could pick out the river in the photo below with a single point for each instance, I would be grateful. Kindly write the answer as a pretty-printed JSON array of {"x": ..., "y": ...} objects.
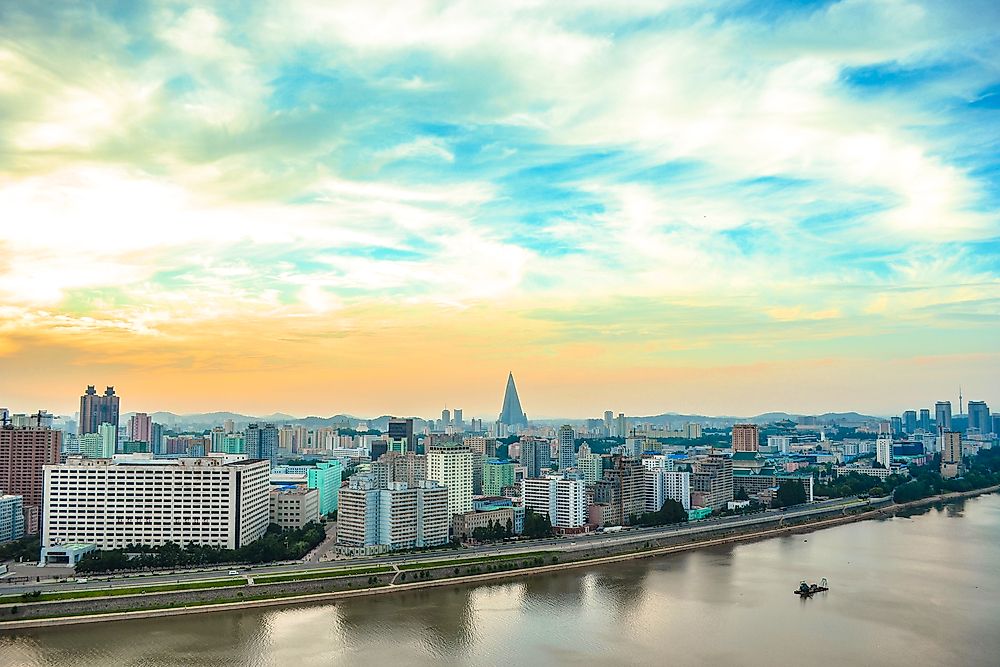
[{"x": 918, "y": 590}]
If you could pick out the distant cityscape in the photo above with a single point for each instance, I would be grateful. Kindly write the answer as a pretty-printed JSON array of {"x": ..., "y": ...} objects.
[{"x": 103, "y": 480}]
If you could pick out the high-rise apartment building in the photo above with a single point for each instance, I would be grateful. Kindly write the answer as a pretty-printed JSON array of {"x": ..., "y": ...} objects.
[
  {"x": 951, "y": 454},
  {"x": 398, "y": 517},
  {"x": 563, "y": 500},
  {"x": 942, "y": 415},
  {"x": 497, "y": 475},
  {"x": 24, "y": 453},
  {"x": 628, "y": 484},
  {"x": 979, "y": 416},
  {"x": 140, "y": 427},
  {"x": 663, "y": 484},
  {"x": 262, "y": 442},
  {"x": 621, "y": 426},
  {"x": 536, "y": 455},
  {"x": 98, "y": 409},
  {"x": 11, "y": 517},
  {"x": 393, "y": 467},
  {"x": 712, "y": 481},
  {"x": 567, "y": 458},
  {"x": 137, "y": 499},
  {"x": 590, "y": 465},
  {"x": 925, "y": 419},
  {"x": 451, "y": 466},
  {"x": 883, "y": 449},
  {"x": 746, "y": 438}
]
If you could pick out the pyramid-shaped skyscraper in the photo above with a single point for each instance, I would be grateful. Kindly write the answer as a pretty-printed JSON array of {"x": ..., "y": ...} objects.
[{"x": 511, "y": 414}]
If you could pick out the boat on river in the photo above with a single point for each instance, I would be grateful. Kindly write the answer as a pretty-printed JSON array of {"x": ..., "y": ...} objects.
[{"x": 807, "y": 590}]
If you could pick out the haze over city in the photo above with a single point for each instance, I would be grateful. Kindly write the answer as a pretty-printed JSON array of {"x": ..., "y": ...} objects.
[{"x": 383, "y": 207}]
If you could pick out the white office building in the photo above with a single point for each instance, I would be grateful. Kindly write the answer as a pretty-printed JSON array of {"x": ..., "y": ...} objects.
[
  {"x": 220, "y": 501},
  {"x": 563, "y": 500}
]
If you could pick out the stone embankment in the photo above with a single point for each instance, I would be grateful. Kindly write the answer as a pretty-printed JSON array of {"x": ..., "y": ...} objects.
[{"x": 149, "y": 604}]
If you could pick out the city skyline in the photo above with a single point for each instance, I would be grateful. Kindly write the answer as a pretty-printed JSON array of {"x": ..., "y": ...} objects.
[
  {"x": 721, "y": 209},
  {"x": 498, "y": 417}
]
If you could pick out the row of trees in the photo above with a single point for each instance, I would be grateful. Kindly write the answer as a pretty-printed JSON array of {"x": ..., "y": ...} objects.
[
  {"x": 536, "y": 524},
  {"x": 275, "y": 545},
  {"x": 670, "y": 512},
  {"x": 494, "y": 532}
]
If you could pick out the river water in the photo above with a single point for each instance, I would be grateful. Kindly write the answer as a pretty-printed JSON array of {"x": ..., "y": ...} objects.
[{"x": 918, "y": 590}]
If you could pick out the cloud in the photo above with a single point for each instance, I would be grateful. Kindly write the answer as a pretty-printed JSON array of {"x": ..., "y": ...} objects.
[{"x": 821, "y": 175}]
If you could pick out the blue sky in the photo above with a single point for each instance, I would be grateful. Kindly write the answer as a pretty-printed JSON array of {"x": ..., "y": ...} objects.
[{"x": 747, "y": 205}]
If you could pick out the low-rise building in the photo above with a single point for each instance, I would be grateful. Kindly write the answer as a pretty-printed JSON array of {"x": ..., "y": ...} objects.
[
  {"x": 292, "y": 507},
  {"x": 464, "y": 525},
  {"x": 754, "y": 483}
]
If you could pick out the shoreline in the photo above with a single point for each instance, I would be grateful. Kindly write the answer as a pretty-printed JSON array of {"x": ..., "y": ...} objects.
[{"x": 479, "y": 578}]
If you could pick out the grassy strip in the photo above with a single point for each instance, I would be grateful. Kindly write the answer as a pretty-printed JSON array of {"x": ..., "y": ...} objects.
[
  {"x": 322, "y": 574},
  {"x": 111, "y": 592},
  {"x": 473, "y": 561}
]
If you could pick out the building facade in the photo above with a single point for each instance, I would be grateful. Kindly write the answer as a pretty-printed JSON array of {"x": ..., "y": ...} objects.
[
  {"x": 371, "y": 519},
  {"x": 563, "y": 500},
  {"x": 451, "y": 467},
  {"x": 294, "y": 507},
  {"x": 141, "y": 500},
  {"x": 98, "y": 409},
  {"x": 712, "y": 480},
  {"x": 11, "y": 517},
  {"x": 951, "y": 454},
  {"x": 24, "y": 453},
  {"x": 746, "y": 438},
  {"x": 567, "y": 454},
  {"x": 262, "y": 442},
  {"x": 497, "y": 475}
]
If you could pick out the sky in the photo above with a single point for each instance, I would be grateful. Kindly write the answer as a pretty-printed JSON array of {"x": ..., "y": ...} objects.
[{"x": 377, "y": 207}]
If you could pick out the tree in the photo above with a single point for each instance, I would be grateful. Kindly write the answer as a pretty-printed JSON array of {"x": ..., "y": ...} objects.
[
  {"x": 790, "y": 492},
  {"x": 536, "y": 524},
  {"x": 670, "y": 512}
]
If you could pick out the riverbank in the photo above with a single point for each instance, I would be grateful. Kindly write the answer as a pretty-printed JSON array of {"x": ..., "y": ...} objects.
[{"x": 456, "y": 571}]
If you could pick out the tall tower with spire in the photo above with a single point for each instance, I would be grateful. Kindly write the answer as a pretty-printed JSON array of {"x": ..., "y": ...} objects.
[{"x": 511, "y": 413}]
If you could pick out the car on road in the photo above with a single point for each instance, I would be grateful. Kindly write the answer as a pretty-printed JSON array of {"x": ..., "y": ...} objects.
[{"x": 234, "y": 572}]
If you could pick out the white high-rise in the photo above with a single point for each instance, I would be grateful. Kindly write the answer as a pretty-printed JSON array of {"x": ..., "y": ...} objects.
[
  {"x": 883, "y": 450},
  {"x": 662, "y": 482},
  {"x": 563, "y": 500},
  {"x": 452, "y": 467}
]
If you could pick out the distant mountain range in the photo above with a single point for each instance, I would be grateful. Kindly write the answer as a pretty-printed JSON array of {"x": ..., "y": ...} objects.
[{"x": 208, "y": 420}]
